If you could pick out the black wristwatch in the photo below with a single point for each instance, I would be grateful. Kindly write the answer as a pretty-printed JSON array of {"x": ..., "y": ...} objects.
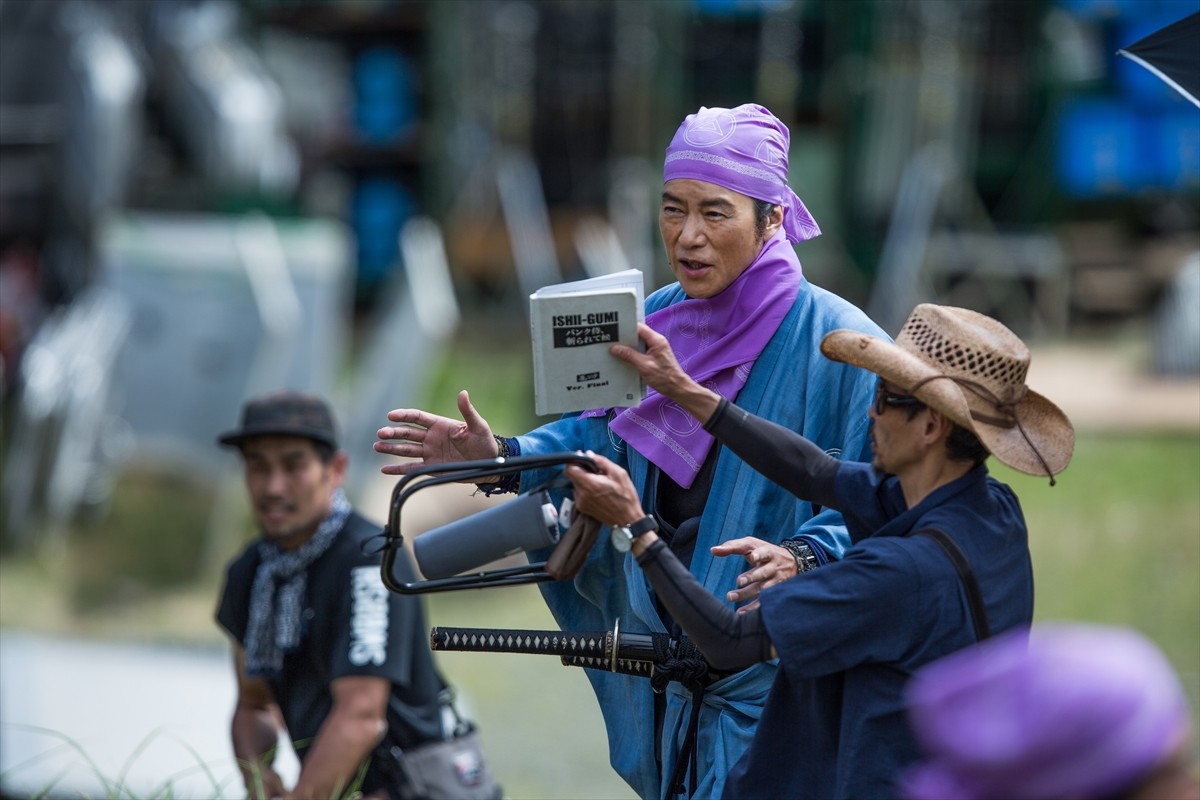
[{"x": 623, "y": 535}]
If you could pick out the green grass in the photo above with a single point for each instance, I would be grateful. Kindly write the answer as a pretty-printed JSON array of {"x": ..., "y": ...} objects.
[
  {"x": 498, "y": 373},
  {"x": 1118, "y": 540},
  {"x": 115, "y": 787}
]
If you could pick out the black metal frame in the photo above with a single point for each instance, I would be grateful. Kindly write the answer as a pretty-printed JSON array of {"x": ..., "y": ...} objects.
[{"x": 465, "y": 472}]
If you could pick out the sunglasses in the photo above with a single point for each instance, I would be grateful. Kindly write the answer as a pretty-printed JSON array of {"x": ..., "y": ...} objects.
[{"x": 884, "y": 398}]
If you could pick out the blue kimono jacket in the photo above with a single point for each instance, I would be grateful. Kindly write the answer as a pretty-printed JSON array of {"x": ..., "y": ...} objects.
[{"x": 792, "y": 384}]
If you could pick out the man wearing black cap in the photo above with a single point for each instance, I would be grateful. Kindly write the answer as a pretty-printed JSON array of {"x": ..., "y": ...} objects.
[{"x": 320, "y": 643}]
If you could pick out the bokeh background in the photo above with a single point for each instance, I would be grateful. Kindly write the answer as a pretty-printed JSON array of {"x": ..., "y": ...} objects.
[{"x": 206, "y": 199}]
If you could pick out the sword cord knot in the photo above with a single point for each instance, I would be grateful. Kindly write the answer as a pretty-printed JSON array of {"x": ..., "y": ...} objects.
[{"x": 680, "y": 660}]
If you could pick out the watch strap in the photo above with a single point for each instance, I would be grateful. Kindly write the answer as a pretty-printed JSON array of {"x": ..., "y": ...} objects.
[{"x": 643, "y": 525}]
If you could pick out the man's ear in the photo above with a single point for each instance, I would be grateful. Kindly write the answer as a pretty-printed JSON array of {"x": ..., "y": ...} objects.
[
  {"x": 937, "y": 425},
  {"x": 339, "y": 464},
  {"x": 774, "y": 222}
]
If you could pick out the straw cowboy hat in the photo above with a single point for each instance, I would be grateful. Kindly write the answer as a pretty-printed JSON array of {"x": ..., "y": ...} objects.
[{"x": 972, "y": 369}]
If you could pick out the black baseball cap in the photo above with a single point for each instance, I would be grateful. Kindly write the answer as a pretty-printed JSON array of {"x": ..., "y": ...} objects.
[{"x": 286, "y": 413}]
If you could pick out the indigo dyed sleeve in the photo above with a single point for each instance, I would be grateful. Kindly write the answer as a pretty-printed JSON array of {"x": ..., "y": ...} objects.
[
  {"x": 729, "y": 641},
  {"x": 782, "y": 455}
]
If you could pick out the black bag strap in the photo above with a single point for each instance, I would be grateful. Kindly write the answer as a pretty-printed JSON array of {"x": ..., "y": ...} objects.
[{"x": 965, "y": 574}]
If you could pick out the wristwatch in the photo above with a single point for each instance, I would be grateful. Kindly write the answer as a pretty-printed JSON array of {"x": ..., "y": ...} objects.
[
  {"x": 806, "y": 559},
  {"x": 623, "y": 535}
]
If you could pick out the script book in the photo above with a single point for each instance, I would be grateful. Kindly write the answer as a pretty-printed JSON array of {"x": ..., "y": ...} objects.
[{"x": 572, "y": 325}]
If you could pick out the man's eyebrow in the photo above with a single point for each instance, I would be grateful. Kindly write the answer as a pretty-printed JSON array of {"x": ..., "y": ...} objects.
[{"x": 713, "y": 202}]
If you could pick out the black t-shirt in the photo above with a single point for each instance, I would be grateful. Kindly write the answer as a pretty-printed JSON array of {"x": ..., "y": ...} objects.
[{"x": 352, "y": 626}]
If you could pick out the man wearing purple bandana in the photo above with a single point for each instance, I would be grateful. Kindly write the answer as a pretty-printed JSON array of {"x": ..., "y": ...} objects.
[{"x": 743, "y": 321}]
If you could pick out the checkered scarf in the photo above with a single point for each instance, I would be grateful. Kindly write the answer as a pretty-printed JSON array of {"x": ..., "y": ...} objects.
[{"x": 277, "y": 595}]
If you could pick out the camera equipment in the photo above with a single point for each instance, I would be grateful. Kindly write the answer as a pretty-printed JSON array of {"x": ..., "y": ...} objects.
[{"x": 528, "y": 522}]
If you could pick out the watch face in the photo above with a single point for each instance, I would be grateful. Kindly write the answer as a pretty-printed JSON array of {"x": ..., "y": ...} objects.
[{"x": 622, "y": 538}]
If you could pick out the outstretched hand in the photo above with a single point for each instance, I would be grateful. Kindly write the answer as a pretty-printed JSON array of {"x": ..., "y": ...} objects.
[
  {"x": 434, "y": 439},
  {"x": 770, "y": 564}
]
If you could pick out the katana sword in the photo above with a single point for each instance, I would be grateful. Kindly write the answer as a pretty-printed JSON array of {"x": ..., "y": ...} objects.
[
  {"x": 597, "y": 649},
  {"x": 641, "y": 654}
]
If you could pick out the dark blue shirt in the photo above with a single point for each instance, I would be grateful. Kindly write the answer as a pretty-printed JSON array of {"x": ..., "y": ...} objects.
[{"x": 851, "y": 633}]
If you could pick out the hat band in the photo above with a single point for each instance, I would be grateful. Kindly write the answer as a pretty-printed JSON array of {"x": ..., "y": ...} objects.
[{"x": 1008, "y": 408}]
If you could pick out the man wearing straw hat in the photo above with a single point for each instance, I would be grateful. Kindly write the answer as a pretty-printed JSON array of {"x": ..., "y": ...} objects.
[{"x": 939, "y": 559}]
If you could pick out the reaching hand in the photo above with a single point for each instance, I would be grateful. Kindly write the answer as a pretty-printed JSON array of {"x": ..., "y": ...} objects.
[
  {"x": 607, "y": 494},
  {"x": 657, "y": 365},
  {"x": 662, "y": 372},
  {"x": 770, "y": 564},
  {"x": 434, "y": 439}
]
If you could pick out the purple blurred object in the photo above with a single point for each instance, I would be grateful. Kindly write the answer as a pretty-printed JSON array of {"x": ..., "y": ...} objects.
[
  {"x": 1173, "y": 54},
  {"x": 1072, "y": 710},
  {"x": 744, "y": 149}
]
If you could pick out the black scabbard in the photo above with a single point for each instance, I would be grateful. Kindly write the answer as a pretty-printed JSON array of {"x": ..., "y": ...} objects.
[{"x": 625, "y": 666}]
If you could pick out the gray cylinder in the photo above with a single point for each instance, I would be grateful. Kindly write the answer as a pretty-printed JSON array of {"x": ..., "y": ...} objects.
[{"x": 528, "y": 522}]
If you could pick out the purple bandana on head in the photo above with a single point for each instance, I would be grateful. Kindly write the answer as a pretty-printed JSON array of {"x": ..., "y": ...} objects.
[
  {"x": 716, "y": 340},
  {"x": 1074, "y": 711},
  {"x": 744, "y": 149}
]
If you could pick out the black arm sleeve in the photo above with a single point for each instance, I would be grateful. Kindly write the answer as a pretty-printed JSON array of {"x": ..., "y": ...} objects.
[
  {"x": 778, "y": 453},
  {"x": 728, "y": 640}
]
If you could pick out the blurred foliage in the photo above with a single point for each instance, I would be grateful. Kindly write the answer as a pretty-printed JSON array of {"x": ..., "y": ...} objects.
[
  {"x": 152, "y": 539},
  {"x": 491, "y": 360}
]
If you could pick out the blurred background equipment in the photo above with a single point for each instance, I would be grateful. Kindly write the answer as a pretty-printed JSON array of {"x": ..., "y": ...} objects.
[
  {"x": 406, "y": 341},
  {"x": 222, "y": 308},
  {"x": 66, "y": 443},
  {"x": 218, "y": 98}
]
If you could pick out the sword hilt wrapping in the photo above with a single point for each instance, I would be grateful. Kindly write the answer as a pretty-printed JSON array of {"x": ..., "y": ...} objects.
[{"x": 499, "y": 640}]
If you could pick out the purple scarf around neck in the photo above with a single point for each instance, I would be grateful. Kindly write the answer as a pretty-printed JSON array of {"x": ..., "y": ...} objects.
[{"x": 716, "y": 340}]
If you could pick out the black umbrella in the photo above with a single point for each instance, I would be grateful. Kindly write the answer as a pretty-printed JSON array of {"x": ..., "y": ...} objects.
[{"x": 1173, "y": 54}]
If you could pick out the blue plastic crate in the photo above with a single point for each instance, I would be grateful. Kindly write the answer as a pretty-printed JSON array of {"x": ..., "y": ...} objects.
[
  {"x": 1099, "y": 149},
  {"x": 381, "y": 206},
  {"x": 1175, "y": 138},
  {"x": 385, "y": 104}
]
